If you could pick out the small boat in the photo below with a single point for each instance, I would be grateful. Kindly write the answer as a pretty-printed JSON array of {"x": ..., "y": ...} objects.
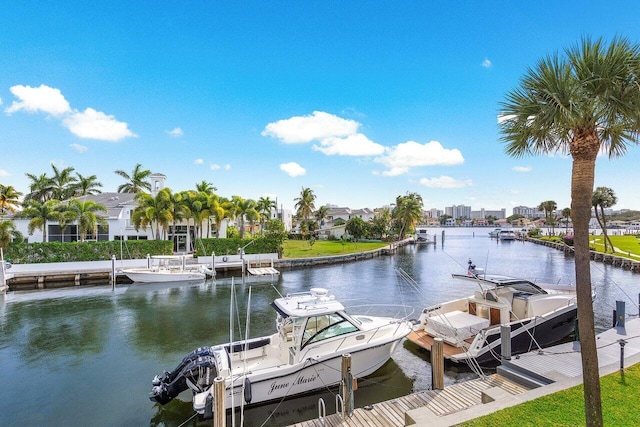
[
  {"x": 538, "y": 315},
  {"x": 507, "y": 235},
  {"x": 313, "y": 331},
  {"x": 495, "y": 233},
  {"x": 422, "y": 234},
  {"x": 167, "y": 268}
]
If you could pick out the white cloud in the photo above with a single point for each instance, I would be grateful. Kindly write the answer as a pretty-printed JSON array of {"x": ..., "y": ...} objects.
[
  {"x": 486, "y": 63},
  {"x": 92, "y": 124},
  {"x": 445, "y": 182},
  {"x": 175, "y": 132},
  {"x": 214, "y": 167},
  {"x": 38, "y": 99},
  {"x": 317, "y": 126},
  {"x": 79, "y": 148},
  {"x": 198, "y": 161},
  {"x": 293, "y": 169},
  {"x": 351, "y": 145},
  {"x": 227, "y": 167},
  {"x": 4, "y": 173},
  {"x": 0, "y": 101},
  {"x": 522, "y": 168},
  {"x": 402, "y": 157}
]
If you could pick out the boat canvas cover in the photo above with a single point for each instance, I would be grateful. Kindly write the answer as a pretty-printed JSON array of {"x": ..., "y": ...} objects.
[{"x": 456, "y": 326}]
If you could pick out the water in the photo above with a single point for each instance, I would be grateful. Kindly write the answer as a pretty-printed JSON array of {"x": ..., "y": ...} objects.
[{"x": 86, "y": 356}]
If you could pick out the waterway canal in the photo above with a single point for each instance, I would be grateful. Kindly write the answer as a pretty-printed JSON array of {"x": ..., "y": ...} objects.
[{"x": 86, "y": 356}]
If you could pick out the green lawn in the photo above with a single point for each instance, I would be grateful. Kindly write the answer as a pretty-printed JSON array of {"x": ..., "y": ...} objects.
[
  {"x": 302, "y": 248},
  {"x": 627, "y": 246},
  {"x": 620, "y": 406}
]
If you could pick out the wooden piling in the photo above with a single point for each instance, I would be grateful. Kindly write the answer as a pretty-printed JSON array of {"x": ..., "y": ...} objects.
[{"x": 437, "y": 364}]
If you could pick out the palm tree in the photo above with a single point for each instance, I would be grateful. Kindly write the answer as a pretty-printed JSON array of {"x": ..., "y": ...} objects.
[
  {"x": 205, "y": 187},
  {"x": 264, "y": 206},
  {"x": 40, "y": 188},
  {"x": 62, "y": 183},
  {"x": 549, "y": 207},
  {"x": 87, "y": 185},
  {"x": 8, "y": 233},
  {"x": 321, "y": 214},
  {"x": 566, "y": 214},
  {"x": 305, "y": 205},
  {"x": 87, "y": 216},
  {"x": 136, "y": 182},
  {"x": 39, "y": 214},
  {"x": 604, "y": 197},
  {"x": 152, "y": 212},
  {"x": 9, "y": 199},
  {"x": 177, "y": 207},
  {"x": 579, "y": 103},
  {"x": 217, "y": 211},
  {"x": 407, "y": 212},
  {"x": 245, "y": 209}
]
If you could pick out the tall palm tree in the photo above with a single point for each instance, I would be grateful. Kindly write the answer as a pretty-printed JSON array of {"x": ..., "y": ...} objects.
[
  {"x": 305, "y": 204},
  {"x": 39, "y": 214},
  {"x": 321, "y": 214},
  {"x": 217, "y": 211},
  {"x": 244, "y": 209},
  {"x": 604, "y": 197},
  {"x": 86, "y": 185},
  {"x": 205, "y": 187},
  {"x": 407, "y": 212},
  {"x": 40, "y": 188},
  {"x": 566, "y": 214},
  {"x": 579, "y": 103},
  {"x": 87, "y": 215},
  {"x": 265, "y": 206},
  {"x": 153, "y": 212},
  {"x": 549, "y": 207},
  {"x": 8, "y": 233},
  {"x": 136, "y": 182},
  {"x": 9, "y": 199},
  {"x": 177, "y": 206},
  {"x": 62, "y": 182}
]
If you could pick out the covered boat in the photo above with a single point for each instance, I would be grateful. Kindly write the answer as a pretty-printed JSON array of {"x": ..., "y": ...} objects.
[
  {"x": 167, "y": 268},
  {"x": 313, "y": 331},
  {"x": 537, "y": 315}
]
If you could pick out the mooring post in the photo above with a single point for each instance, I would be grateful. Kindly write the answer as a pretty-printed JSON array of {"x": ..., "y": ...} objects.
[
  {"x": 113, "y": 271},
  {"x": 622, "y": 343},
  {"x": 148, "y": 261},
  {"x": 620, "y": 313},
  {"x": 347, "y": 384},
  {"x": 437, "y": 364},
  {"x": 442, "y": 238},
  {"x": 505, "y": 342},
  {"x": 219, "y": 413}
]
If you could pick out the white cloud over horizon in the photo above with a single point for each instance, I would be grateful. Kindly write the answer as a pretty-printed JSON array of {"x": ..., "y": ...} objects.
[
  {"x": 175, "y": 132},
  {"x": 316, "y": 126},
  {"x": 401, "y": 158},
  {"x": 293, "y": 169},
  {"x": 87, "y": 124},
  {"x": 198, "y": 161},
  {"x": 445, "y": 182},
  {"x": 350, "y": 145}
]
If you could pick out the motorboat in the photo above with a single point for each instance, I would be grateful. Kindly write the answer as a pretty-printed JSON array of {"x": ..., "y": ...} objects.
[
  {"x": 495, "y": 233},
  {"x": 313, "y": 331},
  {"x": 422, "y": 234},
  {"x": 167, "y": 268},
  {"x": 507, "y": 235},
  {"x": 538, "y": 316}
]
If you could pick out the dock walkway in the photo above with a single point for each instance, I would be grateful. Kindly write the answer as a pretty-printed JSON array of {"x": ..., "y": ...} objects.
[{"x": 550, "y": 370}]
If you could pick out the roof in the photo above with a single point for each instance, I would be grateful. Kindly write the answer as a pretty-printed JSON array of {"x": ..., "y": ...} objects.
[
  {"x": 114, "y": 202},
  {"x": 317, "y": 301}
]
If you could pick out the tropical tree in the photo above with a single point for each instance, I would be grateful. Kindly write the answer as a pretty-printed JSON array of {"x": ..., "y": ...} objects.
[
  {"x": 40, "y": 188},
  {"x": 265, "y": 206},
  {"x": 217, "y": 211},
  {"x": 63, "y": 183},
  {"x": 245, "y": 209},
  {"x": 8, "y": 233},
  {"x": 321, "y": 214},
  {"x": 86, "y": 185},
  {"x": 407, "y": 212},
  {"x": 177, "y": 207},
  {"x": 39, "y": 214},
  {"x": 604, "y": 198},
  {"x": 87, "y": 215},
  {"x": 153, "y": 212},
  {"x": 566, "y": 214},
  {"x": 9, "y": 199},
  {"x": 549, "y": 207},
  {"x": 380, "y": 223},
  {"x": 581, "y": 103},
  {"x": 197, "y": 203},
  {"x": 305, "y": 204},
  {"x": 136, "y": 182},
  {"x": 357, "y": 227},
  {"x": 205, "y": 187}
]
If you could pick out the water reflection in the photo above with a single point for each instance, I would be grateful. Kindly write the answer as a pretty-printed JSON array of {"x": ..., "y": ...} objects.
[{"x": 86, "y": 356}]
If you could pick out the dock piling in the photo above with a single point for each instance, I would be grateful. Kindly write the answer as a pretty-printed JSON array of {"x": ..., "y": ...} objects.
[
  {"x": 219, "y": 413},
  {"x": 505, "y": 342},
  {"x": 437, "y": 364},
  {"x": 347, "y": 384}
]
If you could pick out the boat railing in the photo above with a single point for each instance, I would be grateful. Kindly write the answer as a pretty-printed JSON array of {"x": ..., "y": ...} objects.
[{"x": 400, "y": 314}]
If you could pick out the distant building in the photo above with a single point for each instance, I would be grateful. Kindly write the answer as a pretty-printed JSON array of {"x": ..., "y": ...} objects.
[
  {"x": 458, "y": 211},
  {"x": 528, "y": 212},
  {"x": 484, "y": 214},
  {"x": 335, "y": 213}
]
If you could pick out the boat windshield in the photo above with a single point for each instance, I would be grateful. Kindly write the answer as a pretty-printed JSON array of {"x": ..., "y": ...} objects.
[
  {"x": 525, "y": 286},
  {"x": 325, "y": 326}
]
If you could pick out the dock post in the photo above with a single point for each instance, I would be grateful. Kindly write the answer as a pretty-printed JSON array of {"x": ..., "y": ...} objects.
[
  {"x": 620, "y": 313},
  {"x": 442, "y": 239},
  {"x": 622, "y": 343},
  {"x": 113, "y": 271},
  {"x": 437, "y": 364},
  {"x": 219, "y": 413},
  {"x": 148, "y": 261},
  {"x": 505, "y": 342},
  {"x": 347, "y": 384}
]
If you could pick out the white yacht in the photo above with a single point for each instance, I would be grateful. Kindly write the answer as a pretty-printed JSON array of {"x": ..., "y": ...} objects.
[
  {"x": 313, "y": 331},
  {"x": 166, "y": 268}
]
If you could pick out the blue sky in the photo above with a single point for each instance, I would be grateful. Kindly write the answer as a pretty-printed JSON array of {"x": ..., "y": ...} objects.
[{"x": 360, "y": 101}]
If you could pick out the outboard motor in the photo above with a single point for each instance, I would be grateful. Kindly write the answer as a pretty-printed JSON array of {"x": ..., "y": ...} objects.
[{"x": 196, "y": 371}]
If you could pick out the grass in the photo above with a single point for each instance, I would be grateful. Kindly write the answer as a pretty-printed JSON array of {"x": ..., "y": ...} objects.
[
  {"x": 620, "y": 406},
  {"x": 627, "y": 246},
  {"x": 302, "y": 248}
]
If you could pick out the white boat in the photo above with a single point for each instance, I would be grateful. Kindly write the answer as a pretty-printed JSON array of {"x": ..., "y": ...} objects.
[
  {"x": 166, "y": 268},
  {"x": 313, "y": 331},
  {"x": 538, "y": 315},
  {"x": 4, "y": 276},
  {"x": 507, "y": 235},
  {"x": 422, "y": 234},
  {"x": 495, "y": 232}
]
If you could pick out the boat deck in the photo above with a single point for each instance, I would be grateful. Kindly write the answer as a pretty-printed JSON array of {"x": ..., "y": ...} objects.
[
  {"x": 452, "y": 399},
  {"x": 424, "y": 340}
]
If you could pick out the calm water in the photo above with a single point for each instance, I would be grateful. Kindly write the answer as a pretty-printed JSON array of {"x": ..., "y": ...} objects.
[{"x": 86, "y": 356}]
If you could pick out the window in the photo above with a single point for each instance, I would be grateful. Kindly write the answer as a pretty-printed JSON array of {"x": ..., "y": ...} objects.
[{"x": 319, "y": 328}]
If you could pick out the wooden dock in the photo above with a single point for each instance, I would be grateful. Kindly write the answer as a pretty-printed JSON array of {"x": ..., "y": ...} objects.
[{"x": 453, "y": 398}]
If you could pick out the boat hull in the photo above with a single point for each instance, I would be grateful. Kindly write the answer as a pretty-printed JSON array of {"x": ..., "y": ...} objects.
[{"x": 142, "y": 276}]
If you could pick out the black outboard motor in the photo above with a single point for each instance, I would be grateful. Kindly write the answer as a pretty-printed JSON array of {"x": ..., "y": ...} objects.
[{"x": 196, "y": 371}]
